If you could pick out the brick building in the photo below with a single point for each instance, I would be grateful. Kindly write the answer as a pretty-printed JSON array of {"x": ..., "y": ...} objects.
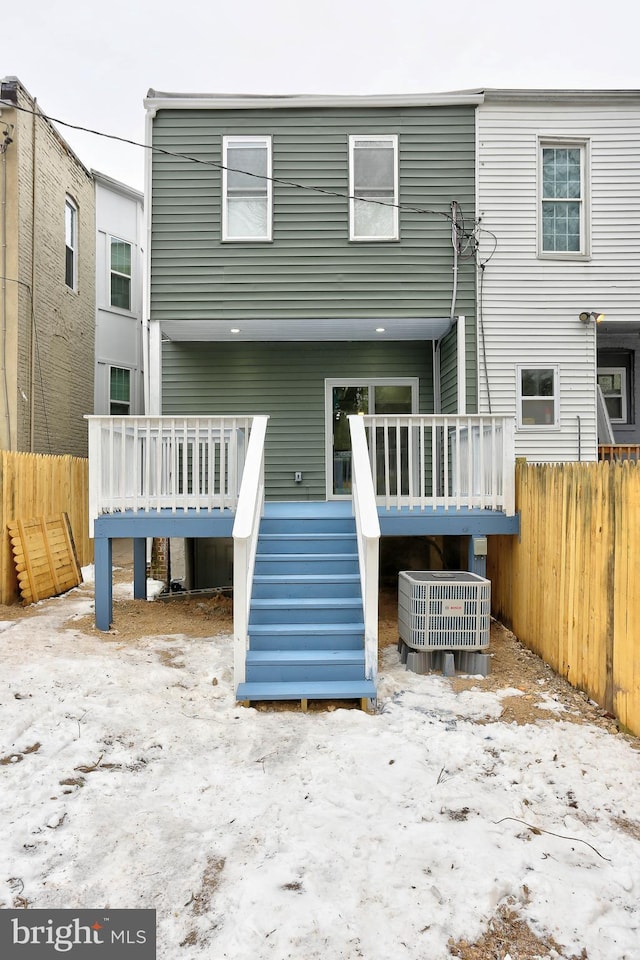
[{"x": 47, "y": 283}]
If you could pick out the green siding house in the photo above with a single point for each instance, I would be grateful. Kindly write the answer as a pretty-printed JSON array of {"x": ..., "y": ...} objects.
[
  {"x": 312, "y": 371},
  {"x": 275, "y": 291}
]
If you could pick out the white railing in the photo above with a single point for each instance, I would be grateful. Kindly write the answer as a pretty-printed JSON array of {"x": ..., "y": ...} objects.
[
  {"x": 155, "y": 463},
  {"x": 443, "y": 461},
  {"x": 245, "y": 541},
  {"x": 368, "y": 533}
]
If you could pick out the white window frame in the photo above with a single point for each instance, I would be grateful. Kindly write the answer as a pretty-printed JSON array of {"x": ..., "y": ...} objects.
[
  {"x": 562, "y": 143},
  {"x": 555, "y": 423},
  {"x": 111, "y": 271},
  {"x": 369, "y": 382},
  {"x": 623, "y": 391},
  {"x": 71, "y": 243},
  {"x": 234, "y": 141},
  {"x": 111, "y": 400},
  {"x": 390, "y": 138}
]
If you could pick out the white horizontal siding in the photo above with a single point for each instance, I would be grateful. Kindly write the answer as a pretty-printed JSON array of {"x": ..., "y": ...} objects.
[{"x": 530, "y": 305}]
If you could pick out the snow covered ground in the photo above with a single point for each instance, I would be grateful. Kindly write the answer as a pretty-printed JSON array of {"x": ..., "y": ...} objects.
[{"x": 130, "y": 778}]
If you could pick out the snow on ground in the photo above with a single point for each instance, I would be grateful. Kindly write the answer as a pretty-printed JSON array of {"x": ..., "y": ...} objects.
[{"x": 130, "y": 778}]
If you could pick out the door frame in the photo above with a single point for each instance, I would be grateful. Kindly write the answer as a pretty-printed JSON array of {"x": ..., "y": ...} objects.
[{"x": 329, "y": 384}]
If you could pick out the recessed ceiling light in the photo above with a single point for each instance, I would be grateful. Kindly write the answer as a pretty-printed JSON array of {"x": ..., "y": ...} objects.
[
  {"x": 379, "y": 329},
  {"x": 235, "y": 330}
]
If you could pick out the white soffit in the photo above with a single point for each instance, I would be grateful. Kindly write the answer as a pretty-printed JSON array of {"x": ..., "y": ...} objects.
[{"x": 413, "y": 328}]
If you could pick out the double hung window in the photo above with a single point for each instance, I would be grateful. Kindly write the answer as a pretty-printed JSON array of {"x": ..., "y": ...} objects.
[
  {"x": 373, "y": 187},
  {"x": 120, "y": 274},
  {"x": 563, "y": 200},
  {"x": 246, "y": 188},
  {"x": 71, "y": 244},
  {"x": 537, "y": 396},
  {"x": 119, "y": 391}
]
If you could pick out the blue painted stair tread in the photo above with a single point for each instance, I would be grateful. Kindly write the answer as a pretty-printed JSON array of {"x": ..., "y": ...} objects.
[
  {"x": 363, "y": 690},
  {"x": 306, "y": 629}
]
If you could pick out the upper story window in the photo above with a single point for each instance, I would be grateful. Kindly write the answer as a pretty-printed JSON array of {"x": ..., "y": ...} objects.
[
  {"x": 563, "y": 200},
  {"x": 120, "y": 274},
  {"x": 613, "y": 384},
  {"x": 119, "y": 392},
  {"x": 71, "y": 244},
  {"x": 246, "y": 188},
  {"x": 537, "y": 396},
  {"x": 373, "y": 187}
]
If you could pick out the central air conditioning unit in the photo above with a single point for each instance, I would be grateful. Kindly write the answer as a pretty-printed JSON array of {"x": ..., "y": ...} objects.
[{"x": 444, "y": 610}]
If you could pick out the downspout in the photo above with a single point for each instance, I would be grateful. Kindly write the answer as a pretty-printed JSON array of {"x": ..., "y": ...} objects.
[
  {"x": 3, "y": 150},
  {"x": 146, "y": 299},
  {"x": 437, "y": 392},
  {"x": 32, "y": 325},
  {"x": 456, "y": 245}
]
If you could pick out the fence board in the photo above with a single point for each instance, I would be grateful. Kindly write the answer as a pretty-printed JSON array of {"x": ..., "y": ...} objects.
[
  {"x": 36, "y": 485},
  {"x": 569, "y": 586}
]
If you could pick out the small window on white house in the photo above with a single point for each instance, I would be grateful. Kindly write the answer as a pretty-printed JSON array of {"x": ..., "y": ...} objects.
[
  {"x": 246, "y": 188},
  {"x": 119, "y": 392},
  {"x": 373, "y": 187},
  {"x": 613, "y": 384},
  {"x": 537, "y": 396},
  {"x": 120, "y": 274},
  {"x": 563, "y": 200},
  {"x": 71, "y": 244}
]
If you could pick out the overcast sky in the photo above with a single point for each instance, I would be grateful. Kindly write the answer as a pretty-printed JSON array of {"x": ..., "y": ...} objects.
[{"x": 91, "y": 64}]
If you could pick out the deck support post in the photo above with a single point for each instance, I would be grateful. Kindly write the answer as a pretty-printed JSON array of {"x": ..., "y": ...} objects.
[
  {"x": 140, "y": 568},
  {"x": 103, "y": 582}
]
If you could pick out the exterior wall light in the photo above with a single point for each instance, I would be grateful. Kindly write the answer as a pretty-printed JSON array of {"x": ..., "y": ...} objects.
[{"x": 588, "y": 315}]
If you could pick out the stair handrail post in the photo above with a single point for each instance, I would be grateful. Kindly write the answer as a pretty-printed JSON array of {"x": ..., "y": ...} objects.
[
  {"x": 245, "y": 541},
  {"x": 94, "y": 450},
  {"x": 368, "y": 533}
]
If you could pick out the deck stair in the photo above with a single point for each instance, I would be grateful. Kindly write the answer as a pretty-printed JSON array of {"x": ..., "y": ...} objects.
[{"x": 306, "y": 629}]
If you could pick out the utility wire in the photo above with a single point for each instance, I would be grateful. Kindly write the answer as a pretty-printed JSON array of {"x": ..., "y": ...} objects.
[{"x": 220, "y": 166}]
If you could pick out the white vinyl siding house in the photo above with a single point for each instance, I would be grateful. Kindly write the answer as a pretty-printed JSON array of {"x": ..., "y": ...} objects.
[
  {"x": 119, "y": 295},
  {"x": 560, "y": 241}
]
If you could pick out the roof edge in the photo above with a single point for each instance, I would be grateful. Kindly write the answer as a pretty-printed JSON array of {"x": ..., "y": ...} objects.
[
  {"x": 117, "y": 185},
  {"x": 551, "y": 94},
  {"x": 158, "y": 100}
]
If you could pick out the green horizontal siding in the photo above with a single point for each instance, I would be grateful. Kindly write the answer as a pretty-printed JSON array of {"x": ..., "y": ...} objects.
[
  {"x": 311, "y": 269},
  {"x": 287, "y": 382}
]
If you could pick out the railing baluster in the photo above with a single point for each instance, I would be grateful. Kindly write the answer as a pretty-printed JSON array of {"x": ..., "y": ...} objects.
[
  {"x": 387, "y": 480},
  {"x": 410, "y": 445},
  {"x": 435, "y": 464},
  {"x": 470, "y": 491},
  {"x": 210, "y": 462},
  {"x": 223, "y": 464},
  {"x": 422, "y": 462},
  {"x": 493, "y": 467}
]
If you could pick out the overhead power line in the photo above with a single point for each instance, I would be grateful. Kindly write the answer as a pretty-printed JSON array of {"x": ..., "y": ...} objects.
[{"x": 446, "y": 215}]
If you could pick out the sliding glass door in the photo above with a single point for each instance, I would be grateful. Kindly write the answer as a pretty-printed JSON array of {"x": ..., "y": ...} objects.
[{"x": 345, "y": 397}]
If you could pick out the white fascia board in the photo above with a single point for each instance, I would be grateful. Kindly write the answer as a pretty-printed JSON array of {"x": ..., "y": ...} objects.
[
  {"x": 203, "y": 101},
  {"x": 117, "y": 186}
]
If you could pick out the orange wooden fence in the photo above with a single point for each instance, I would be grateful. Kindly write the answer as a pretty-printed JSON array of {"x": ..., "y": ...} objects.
[
  {"x": 34, "y": 485},
  {"x": 569, "y": 586}
]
